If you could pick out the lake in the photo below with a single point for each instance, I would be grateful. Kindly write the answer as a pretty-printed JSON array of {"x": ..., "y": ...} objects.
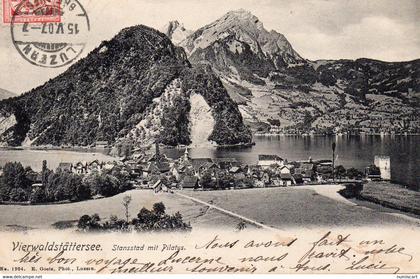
[{"x": 351, "y": 151}]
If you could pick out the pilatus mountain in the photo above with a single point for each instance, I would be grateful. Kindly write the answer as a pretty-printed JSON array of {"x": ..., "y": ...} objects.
[
  {"x": 136, "y": 86},
  {"x": 279, "y": 90}
]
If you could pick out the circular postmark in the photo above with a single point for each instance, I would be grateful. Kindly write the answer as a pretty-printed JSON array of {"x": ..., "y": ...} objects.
[{"x": 52, "y": 44}]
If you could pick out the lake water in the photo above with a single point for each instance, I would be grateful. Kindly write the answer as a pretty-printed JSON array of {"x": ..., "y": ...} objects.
[
  {"x": 357, "y": 152},
  {"x": 352, "y": 151}
]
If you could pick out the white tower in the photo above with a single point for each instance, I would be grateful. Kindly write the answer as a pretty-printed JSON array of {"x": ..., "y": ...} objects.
[{"x": 384, "y": 165}]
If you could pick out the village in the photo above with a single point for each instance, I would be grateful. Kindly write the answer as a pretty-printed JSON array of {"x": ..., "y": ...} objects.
[{"x": 158, "y": 172}]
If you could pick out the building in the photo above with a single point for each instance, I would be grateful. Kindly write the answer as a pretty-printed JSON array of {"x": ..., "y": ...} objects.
[
  {"x": 65, "y": 167},
  {"x": 101, "y": 144},
  {"x": 177, "y": 171},
  {"x": 189, "y": 182},
  {"x": 373, "y": 173},
  {"x": 80, "y": 168},
  {"x": 265, "y": 161},
  {"x": 159, "y": 186},
  {"x": 285, "y": 170},
  {"x": 384, "y": 165},
  {"x": 150, "y": 169},
  {"x": 94, "y": 166},
  {"x": 226, "y": 163},
  {"x": 286, "y": 179},
  {"x": 201, "y": 164}
]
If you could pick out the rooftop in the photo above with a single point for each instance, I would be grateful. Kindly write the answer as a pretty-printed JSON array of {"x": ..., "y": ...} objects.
[{"x": 269, "y": 157}]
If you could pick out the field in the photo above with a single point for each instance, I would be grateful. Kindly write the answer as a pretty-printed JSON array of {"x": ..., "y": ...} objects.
[
  {"x": 44, "y": 216},
  {"x": 298, "y": 207},
  {"x": 392, "y": 196}
]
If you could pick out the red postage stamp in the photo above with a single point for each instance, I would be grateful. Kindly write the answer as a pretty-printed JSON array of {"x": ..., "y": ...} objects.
[{"x": 27, "y": 11}]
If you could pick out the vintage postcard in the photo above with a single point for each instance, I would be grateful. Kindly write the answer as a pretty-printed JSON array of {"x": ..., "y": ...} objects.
[{"x": 209, "y": 137}]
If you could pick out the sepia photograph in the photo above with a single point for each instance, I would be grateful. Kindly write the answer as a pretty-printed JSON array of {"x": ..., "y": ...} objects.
[{"x": 207, "y": 136}]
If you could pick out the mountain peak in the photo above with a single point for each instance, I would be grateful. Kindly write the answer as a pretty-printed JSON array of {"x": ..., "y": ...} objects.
[
  {"x": 241, "y": 19},
  {"x": 237, "y": 29},
  {"x": 242, "y": 13},
  {"x": 175, "y": 31}
]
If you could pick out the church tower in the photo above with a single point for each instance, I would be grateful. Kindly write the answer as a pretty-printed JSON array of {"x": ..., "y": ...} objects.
[{"x": 186, "y": 155}]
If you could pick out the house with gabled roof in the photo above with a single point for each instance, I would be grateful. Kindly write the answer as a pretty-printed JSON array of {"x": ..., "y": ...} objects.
[
  {"x": 268, "y": 160},
  {"x": 189, "y": 182},
  {"x": 80, "y": 168},
  {"x": 94, "y": 166},
  {"x": 65, "y": 167},
  {"x": 202, "y": 164},
  {"x": 286, "y": 179},
  {"x": 226, "y": 163}
]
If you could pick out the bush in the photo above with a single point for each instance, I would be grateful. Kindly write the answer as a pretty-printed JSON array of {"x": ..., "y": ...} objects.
[
  {"x": 116, "y": 224},
  {"x": 158, "y": 220},
  {"x": 159, "y": 208},
  {"x": 89, "y": 223},
  {"x": 38, "y": 196},
  {"x": 18, "y": 195},
  {"x": 147, "y": 220},
  {"x": 354, "y": 173}
]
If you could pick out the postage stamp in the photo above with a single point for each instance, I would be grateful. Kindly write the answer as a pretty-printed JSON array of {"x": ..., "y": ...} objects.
[
  {"x": 52, "y": 44},
  {"x": 22, "y": 11}
]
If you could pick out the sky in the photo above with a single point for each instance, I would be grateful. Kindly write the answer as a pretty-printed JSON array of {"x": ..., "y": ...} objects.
[{"x": 317, "y": 29}]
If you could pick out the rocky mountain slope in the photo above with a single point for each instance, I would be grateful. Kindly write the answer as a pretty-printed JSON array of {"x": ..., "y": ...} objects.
[
  {"x": 136, "y": 86},
  {"x": 277, "y": 89}
]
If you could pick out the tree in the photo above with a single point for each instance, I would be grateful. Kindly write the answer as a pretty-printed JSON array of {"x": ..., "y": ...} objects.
[
  {"x": 241, "y": 226},
  {"x": 354, "y": 173},
  {"x": 126, "y": 203},
  {"x": 103, "y": 184},
  {"x": 206, "y": 180},
  {"x": 14, "y": 176},
  {"x": 87, "y": 222},
  {"x": 18, "y": 195},
  {"x": 340, "y": 171},
  {"x": 145, "y": 219},
  {"x": 45, "y": 173},
  {"x": 225, "y": 180},
  {"x": 37, "y": 196},
  {"x": 159, "y": 208},
  {"x": 66, "y": 186}
]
